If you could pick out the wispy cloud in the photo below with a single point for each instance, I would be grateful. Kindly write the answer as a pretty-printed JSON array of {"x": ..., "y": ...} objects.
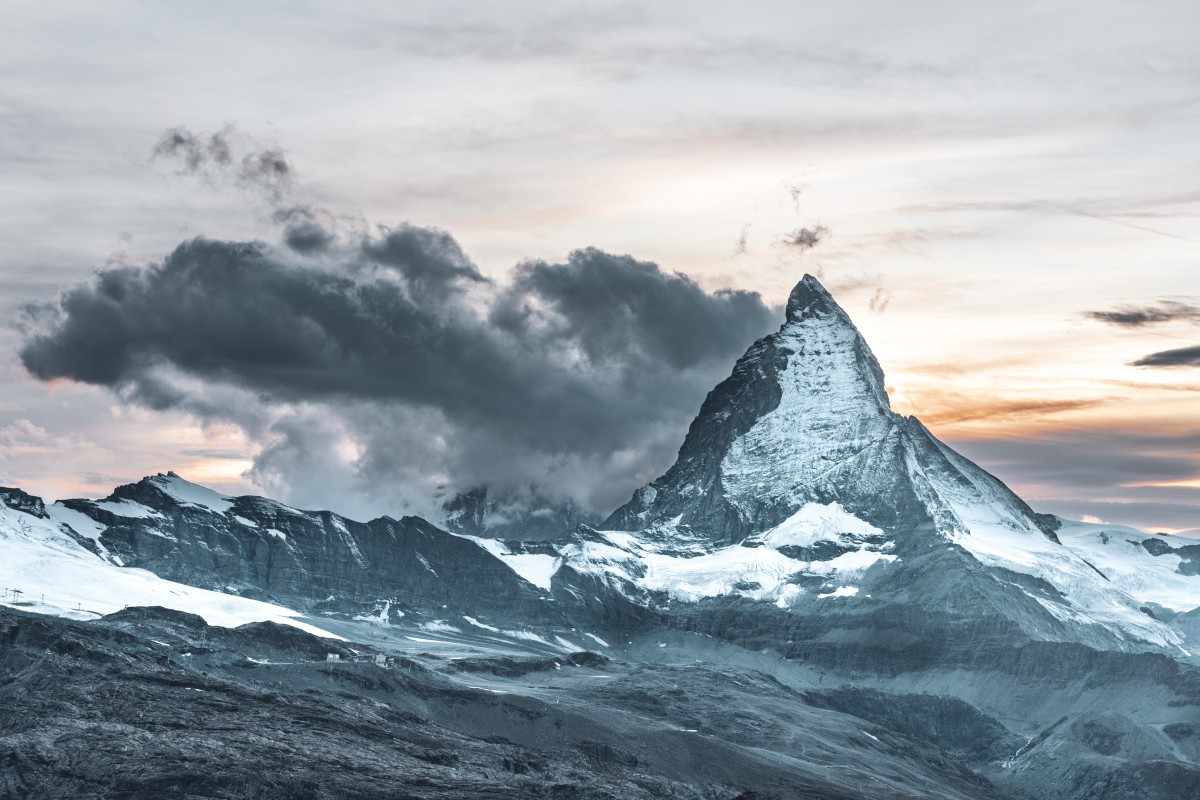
[
  {"x": 227, "y": 155},
  {"x": 805, "y": 238}
]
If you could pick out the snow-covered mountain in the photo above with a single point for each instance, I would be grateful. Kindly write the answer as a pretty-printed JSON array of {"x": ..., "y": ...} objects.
[
  {"x": 829, "y": 557},
  {"x": 796, "y": 488},
  {"x": 52, "y": 562},
  {"x": 798, "y": 482}
]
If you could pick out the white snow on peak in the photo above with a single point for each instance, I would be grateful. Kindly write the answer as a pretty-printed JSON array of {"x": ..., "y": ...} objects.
[
  {"x": 534, "y": 568},
  {"x": 841, "y": 591},
  {"x": 129, "y": 509},
  {"x": 816, "y": 522},
  {"x": 191, "y": 494},
  {"x": 57, "y": 576}
]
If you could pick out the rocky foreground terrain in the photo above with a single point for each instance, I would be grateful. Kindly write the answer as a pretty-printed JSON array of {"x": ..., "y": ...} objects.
[{"x": 819, "y": 599}]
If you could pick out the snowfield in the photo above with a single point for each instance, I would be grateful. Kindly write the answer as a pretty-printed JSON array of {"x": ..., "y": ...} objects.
[{"x": 56, "y": 575}]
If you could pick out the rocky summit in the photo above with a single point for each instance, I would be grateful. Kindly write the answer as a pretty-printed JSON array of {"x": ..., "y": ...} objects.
[{"x": 819, "y": 599}]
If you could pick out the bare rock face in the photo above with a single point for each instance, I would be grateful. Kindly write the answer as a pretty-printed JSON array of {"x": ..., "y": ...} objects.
[{"x": 264, "y": 549}]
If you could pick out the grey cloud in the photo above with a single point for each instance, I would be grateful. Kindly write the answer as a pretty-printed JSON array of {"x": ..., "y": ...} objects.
[
  {"x": 312, "y": 231},
  {"x": 578, "y": 376},
  {"x": 1135, "y": 317},
  {"x": 219, "y": 156},
  {"x": 1108, "y": 474},
  {"x": 429, "y": 259},
  {"x": 196, "y": 152},
  {"x": 739, "y": 246},
  {"x": 794, "y": 190},
  {"x": 307, "y": 237},
  {"x": 1145, "y": 515},
  {"x": 1181, "y": 357},
  {"x": 617, "y": 308},
  {"x": 268, "y": 169},
  {"x": 806, "y": 238},
  {"x": 1091, "y": 462},
  {"x": 1143, "y": 316}
]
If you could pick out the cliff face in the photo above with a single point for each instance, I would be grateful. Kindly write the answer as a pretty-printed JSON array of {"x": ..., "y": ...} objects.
[{"x": 260, "y": 548}]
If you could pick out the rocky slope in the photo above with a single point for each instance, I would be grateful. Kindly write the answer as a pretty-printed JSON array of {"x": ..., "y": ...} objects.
[
  {"x": 148, "y": 703},
  {"x": 260, "y": 548}
]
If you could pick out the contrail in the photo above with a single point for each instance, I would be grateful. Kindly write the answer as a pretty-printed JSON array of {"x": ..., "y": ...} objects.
[{"x": 1082, "y": 213}]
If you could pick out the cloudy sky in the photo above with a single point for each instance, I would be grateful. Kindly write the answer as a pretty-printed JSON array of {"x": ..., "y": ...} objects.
[{"x": 361, "y": 258}]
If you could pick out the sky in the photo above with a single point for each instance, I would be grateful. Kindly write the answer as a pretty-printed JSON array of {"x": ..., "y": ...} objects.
[{"x": 364, "y": 257}]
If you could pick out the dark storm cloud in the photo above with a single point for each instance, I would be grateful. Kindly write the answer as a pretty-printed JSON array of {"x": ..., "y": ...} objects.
[
  {"x": 1139, "y": 316},
  {"x": 307, "y": 230},
  {"x": 227, "y": 154},
  {"x": 618, "y": 309},
  {"x": 590, "y": 360},
  {"x": 429, "y": 260},
  {"x": 1181, "y": 357}
]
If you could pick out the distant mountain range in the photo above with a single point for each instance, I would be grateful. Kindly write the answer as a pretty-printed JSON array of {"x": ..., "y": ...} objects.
[{"x": 809, "y": 542}]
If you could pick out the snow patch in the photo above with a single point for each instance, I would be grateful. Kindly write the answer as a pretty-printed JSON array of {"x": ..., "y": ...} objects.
[
  {"x": 569, "y": 645},
  {"x": 128, "y": 509},
  {"x": 191, "y": 494},
  {"x": 380, "y": 615},
  {"x": 77, "y": 521},
  {"x": 756, "y": 573},
  {"x": 816, "y": 522},
  {"x": 533, "y": 568},
  {"x": 60, "y": 577},
  {"x": 478, "y": 624},
  {"x": 425, "y": 564}
]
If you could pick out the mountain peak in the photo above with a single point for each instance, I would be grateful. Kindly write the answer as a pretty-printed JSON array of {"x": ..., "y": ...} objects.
[
  {"x": 805, "y": 418},
  {"x": 808, "y": 296},
  {"x": 805, "y": 400}
]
